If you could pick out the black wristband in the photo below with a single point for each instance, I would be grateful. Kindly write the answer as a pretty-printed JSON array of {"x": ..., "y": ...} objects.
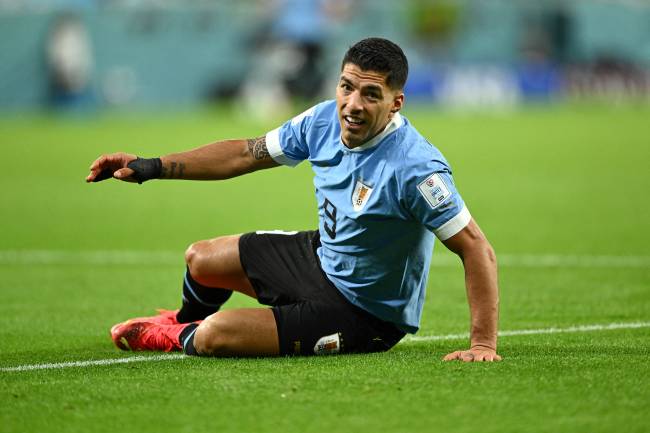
[{"x": 145, "y": 168}]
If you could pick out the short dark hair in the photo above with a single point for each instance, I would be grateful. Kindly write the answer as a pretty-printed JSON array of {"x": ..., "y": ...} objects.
[{"x": 379, "y": 55}]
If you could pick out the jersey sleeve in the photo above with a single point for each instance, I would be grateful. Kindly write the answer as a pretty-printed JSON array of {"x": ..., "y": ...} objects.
[
  {"x": 432, "y": 198},
  {"x": 287, "y": 144}
]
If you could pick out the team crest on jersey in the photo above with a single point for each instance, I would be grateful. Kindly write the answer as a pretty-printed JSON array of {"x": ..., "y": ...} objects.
[
  {"x": 434, "y": 190},
  {"x": 360, "y": 196}
]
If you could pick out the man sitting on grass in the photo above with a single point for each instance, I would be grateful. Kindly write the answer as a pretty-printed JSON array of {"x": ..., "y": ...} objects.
[{"x": 355, "y": 285}]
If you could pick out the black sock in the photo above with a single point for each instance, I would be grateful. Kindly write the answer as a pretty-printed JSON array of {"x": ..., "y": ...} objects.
[
  {"x": 200, "y": 301},
  {"x": 186, "y": 339}
]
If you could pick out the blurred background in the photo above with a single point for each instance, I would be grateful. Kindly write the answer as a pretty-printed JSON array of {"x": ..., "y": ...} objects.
[
  {"x": 542, "y": 107},
  {"x": 85, "y": 55}
]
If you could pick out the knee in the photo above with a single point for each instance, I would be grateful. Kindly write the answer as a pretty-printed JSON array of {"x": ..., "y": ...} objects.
[
  {"x": 197, "y": 258},
  {"x": 214, "y": 336}
]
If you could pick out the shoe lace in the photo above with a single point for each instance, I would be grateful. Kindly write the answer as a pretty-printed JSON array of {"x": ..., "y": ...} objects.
[{"x": 154, "y": 337}]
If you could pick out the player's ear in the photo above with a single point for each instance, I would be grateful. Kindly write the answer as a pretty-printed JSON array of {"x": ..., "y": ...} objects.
[{"x": 398, "y": 102}]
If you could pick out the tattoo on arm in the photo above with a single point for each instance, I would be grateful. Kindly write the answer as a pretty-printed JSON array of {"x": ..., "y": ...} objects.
[
  {"x": 257, "y": 148},
  {"x": 174, "y": 171}
]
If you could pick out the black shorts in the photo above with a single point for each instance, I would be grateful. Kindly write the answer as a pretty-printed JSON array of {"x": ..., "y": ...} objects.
[{"x": 311, "y": 314}]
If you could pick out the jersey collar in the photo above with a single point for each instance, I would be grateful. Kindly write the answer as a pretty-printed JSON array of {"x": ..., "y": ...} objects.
[{"x": 392, "y": 126}]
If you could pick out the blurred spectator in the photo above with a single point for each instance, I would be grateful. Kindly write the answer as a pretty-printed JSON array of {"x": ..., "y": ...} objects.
[
  {"x": 435, "y": 25},
  {"x": 289, "y": 52},
  {"x": 560, "y": 26},
  {"x": 69, "y": 61},
  {"x": 609, "y": 77},
  {"x": 300, "y": 26},
  {"x": 435, "y": 22},
  {"x": 543, "y": 48}
]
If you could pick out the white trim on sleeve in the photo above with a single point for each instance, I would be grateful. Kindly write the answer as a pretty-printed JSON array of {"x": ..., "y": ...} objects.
[
  {"x": 454, "y": 225},
  {"x": 275, "y": 150}
]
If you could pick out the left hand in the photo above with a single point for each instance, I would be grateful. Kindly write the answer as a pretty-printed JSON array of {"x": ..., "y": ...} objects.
[
  {"x": 475, "y": 354},
  {"x": 111, "y": 166}
]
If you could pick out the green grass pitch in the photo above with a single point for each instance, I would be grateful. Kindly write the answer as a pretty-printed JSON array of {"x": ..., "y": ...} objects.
[{"x": 561, "y": 192}]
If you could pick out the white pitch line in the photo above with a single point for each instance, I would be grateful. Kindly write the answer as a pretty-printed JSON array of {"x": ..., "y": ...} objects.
[
  {"x": 581, "y": 328},
  {"x": 175, "y": 258},
  {"x": 554, "y": 261},
  {"x": 113, "y": 361},
  {"x": 408, "y": 339}
]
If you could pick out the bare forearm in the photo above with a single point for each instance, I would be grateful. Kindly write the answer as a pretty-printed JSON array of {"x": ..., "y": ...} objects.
[
  {"x": 220, "y": 160},
  {"x": 480, "y": 265},
  {"x": 483, "y": 295}
]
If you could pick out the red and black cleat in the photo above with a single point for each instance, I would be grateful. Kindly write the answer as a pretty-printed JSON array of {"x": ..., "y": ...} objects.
[{"x": 139, "y": 335}]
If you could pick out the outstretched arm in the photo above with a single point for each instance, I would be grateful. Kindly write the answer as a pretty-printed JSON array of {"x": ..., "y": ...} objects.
[
  {"x": 480, "y": 265},
  {"x": 219, "y": 160}
]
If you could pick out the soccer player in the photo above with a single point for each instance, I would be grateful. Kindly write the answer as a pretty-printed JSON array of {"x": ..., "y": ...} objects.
[{"x": 357, "y": 284}]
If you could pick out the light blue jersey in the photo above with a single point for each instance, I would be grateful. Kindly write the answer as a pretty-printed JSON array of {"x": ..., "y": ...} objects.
[{"x": 379, "y": 207}]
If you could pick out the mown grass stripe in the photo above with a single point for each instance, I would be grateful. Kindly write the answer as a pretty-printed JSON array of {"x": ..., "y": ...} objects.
[
  {"x": 90, "y": 257},
  {"x": 175, "y": 258},
  {"x": 408, "y": 339}
]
